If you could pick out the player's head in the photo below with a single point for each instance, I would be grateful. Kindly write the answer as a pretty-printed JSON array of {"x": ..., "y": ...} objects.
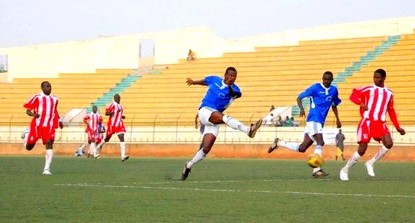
[
  {"x": 117, "y": 98},
  {"x": 379, "y": 77},
  {"x": 94, "y": 108},
  {"x": 327, "y": 78},
  {"x": 230, "y": 75},
  {"x": 46, "y": 87}
]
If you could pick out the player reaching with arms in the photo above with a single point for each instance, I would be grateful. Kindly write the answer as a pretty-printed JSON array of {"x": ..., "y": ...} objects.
[
  {"x": 43, "y": 107},
  {"x": 220, "y": 94},
  {"x": 322, "y": 97},
  {"x": 374, "y": 101},
  {"x": 115, "y": 125}
]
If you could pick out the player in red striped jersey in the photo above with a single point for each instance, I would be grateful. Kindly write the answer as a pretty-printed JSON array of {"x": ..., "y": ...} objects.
[
  {"x": 374, "y": 101},
  {"x": 115, "y": 125},
  {"x": 92, "y": 121},
  {"x": 43, "y": 108}
]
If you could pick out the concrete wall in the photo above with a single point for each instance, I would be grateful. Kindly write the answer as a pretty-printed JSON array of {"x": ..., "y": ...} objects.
[{"x": 48, "y": 60}]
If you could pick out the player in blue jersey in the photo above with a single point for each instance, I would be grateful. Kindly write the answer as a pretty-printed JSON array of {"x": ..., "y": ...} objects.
[
  {"x": 220, "y": 94},
  {"x": 322, "y": 97}
]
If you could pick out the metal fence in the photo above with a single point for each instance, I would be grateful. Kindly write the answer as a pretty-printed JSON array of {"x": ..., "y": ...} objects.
[{"x": 177, "y": 132}]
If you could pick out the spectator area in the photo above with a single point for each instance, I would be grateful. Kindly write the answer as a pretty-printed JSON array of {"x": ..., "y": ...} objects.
[
  {"x": 268, "y": 76},
  {"x": 73, "y": 90}
]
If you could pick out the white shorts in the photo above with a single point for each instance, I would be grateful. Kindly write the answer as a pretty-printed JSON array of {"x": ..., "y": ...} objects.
[
  {"x": 312, "y": 128},
  {"x": 204, "y": 115}
]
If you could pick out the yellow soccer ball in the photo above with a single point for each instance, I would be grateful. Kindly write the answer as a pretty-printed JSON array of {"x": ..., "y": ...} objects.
[{"x": 315, "y": 160}]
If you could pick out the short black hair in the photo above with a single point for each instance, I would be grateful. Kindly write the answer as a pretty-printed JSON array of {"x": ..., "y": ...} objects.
[
  {"x": 230, "y": 68},
  {"x": 44, "y": 82},
  {"x": 382, "y": 72},
  {"x": 329, "y": 73}
]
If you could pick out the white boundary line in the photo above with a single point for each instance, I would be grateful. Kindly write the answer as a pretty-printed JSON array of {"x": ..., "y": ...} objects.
[{"x": 235, "y": 191}]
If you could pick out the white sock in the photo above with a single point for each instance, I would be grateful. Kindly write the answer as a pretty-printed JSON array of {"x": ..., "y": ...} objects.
[
  {"x": 289, "y": 145},
  {"x": 315, "y": 170},
  {"x": 122, "y": 148},
  {"x": 93, "y": 149},
  {"x": 318, "y": 150},
  {"x": 235, "y": 124},
  {"x": 199, "y": 156},
  {"x": 381, "y": 153},
  {"x": 352, "y": 161},
  {"x": 48, "y": 158}
]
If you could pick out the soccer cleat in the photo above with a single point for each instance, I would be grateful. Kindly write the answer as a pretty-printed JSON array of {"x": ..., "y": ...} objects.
[
  {"x": 344, "y": 176},
  {"x": 125, "y": 158},
  {"x": 274, "y": 145},
  {"x": 254, "y": 128},
  {"x": 370, "y": 170},
  {"x": 97, "y": 156},
  {"x": 185, "y": 172},
  {"x": 320, "y": 174},
  {"x": 46, "y": 172}
]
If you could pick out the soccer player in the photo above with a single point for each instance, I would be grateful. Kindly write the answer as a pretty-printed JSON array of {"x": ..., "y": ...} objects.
[
  {"x": 374, "y": 101},
  {"x": 43, "y": 107},
  {"x": 115, "y": 125},
  {"x": 322, "y": 97},
  {"x": 92, "y": 121},
  {"x": 220, "y": 94}
]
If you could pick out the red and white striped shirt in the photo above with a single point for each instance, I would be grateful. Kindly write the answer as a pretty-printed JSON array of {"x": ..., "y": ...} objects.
[
  {"x": 92, "y": 120},
  {"x": 115, "y": 119},
  {"x": 379, "y": 101},
  {"x": 46, "y": 106}
]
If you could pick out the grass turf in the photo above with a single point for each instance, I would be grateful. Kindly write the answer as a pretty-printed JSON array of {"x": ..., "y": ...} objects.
[{"x": 217, "y": 190}]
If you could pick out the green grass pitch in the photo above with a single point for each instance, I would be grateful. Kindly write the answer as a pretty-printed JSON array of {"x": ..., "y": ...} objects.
[{"x": 217, "y": 190}]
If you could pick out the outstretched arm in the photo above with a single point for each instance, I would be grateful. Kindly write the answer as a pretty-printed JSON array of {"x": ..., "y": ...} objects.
[{"x": 189, "y": 82}]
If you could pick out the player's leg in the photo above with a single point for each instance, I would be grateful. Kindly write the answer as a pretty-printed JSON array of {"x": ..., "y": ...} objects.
[
  {"x": 80, "y": 150},
  {"x": 48, "y": 139},
  {"x": 294, "y": 146},
  {"x": 93, "y": 148},
  {"x": 363, "y": 139},
  {"x": 107, "y": 138},
  {"x": 219, "y": 118},
  {"x": 387, "y": 145},
  {"x": 124, "y": 156},
  {"x": 32, "y": 138},
  {"x": 209, "y": 138},
  {"x": 317, "y": 172}
]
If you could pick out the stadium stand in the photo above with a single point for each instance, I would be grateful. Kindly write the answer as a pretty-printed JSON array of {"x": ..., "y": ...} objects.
[
  {"x": 73, "y": 91},
  {"x": 267, "y": 76}
]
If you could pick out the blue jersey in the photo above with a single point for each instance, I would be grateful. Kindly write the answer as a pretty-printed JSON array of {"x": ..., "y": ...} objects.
[
  {"x": 321, "y": 99},
  {"x": 218, "y": 95}
]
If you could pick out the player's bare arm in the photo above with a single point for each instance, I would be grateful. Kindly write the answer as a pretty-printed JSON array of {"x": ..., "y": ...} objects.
[
  {"x": 109, "y": 113},
  {"x": 30, "y": 113},
  {"x": 189, "y": 82},
  {"x": 300, "y": 105},
  {"x": 336, "y": 114}
]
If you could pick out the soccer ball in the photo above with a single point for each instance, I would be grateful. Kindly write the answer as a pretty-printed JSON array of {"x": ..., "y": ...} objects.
[{"x": 315, "y": 161}]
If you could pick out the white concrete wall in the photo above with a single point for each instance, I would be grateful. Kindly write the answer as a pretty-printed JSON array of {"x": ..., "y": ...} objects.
[{"x": 48, "y": 60}]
